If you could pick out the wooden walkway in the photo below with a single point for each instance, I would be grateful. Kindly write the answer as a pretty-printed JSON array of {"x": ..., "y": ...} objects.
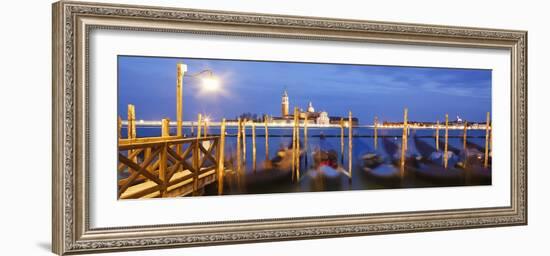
[{"x": 182, "y": 185}]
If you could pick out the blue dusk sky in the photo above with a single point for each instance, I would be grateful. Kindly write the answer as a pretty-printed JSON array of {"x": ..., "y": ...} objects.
[{"x": 257, "y": 86}]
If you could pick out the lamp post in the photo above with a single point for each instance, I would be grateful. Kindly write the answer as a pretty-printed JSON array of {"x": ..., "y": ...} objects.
[
  {"x": 209, "y": 83},
  {"x": 182, "y": 68}
]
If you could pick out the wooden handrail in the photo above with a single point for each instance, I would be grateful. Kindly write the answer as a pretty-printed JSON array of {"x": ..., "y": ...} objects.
[
  {"x": 165, "y": 161},
  {"x": 127, "y": 144}
]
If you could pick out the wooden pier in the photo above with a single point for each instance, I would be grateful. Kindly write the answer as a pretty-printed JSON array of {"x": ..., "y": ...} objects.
[
  {"x": 169, "y": 166},
  {"x": 163, "y": 172}
]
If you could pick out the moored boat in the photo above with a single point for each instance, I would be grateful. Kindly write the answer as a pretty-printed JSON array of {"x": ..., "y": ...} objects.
[{"x": 431, "y": 168}]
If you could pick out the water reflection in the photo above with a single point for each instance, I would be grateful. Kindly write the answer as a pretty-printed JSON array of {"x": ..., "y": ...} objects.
[{"x": 324, "y": 168}]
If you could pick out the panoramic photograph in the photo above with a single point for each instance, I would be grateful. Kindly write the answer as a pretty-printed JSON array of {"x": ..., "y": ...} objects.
[{"x": 206, "y": 127}]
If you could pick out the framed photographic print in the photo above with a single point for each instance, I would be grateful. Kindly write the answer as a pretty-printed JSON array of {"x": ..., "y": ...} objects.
[{"x": 179, "y": 127}]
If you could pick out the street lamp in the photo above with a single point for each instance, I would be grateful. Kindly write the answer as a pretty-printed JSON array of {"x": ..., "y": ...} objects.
[{"x": 209, "y": 83}]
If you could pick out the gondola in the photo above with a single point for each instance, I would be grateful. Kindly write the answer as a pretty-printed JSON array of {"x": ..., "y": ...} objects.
[
  {"x": 383, "y": 171},
  {"x": 450, "y": 147},
  {"x": 478, "y": 150},
  {"x": 275, "y": 171},
  {"x": 431, "y": 168},
  {"x": 326, "y": 174},
  {"x": 473, "y": 163}
]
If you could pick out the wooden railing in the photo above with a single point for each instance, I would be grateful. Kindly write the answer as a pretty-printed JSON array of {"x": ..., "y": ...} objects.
[{"x": 158, "y": 166}]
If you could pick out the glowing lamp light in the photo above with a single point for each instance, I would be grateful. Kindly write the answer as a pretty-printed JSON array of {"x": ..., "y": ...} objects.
[{"x": 210, "y": 84}]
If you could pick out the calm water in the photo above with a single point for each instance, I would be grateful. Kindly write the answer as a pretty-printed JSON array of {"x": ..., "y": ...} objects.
[{"x": 363, "y": 143}]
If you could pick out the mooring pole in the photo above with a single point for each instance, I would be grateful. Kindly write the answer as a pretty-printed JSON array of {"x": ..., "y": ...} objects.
[
  {"x": 464, "y": 135},
  {"x": 306, "y": 147},
  {"x": 437, "y": 136},
  {"x": 403, "y": 143},
  {"x": 239, "y": 157},
  {"x": 199, "y": 121},
  {"x": 294, "y": 144},
  {"x": 244, "y": 140},
  {"x": 350, "y": 144},
  {"x": 445, "y": 153},
  {"x": 298, "y": 146},
  {"x": 341, "y": 140},
  {"x": 266, "y": 139},
  {"x": 221, "y": 158},
  {"x": 487, "y": 128},
  {"x": 253, "y": 146},
  {"x": 197, "y": 149},
  {"x": 165, "y": 129},
  {"x": 375, "y": 133},
  {"x": 491, "y": 139},
  {"x": 206, "y": 123}
]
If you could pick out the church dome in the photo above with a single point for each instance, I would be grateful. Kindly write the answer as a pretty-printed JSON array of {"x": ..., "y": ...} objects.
[{"x": 310, "y": 108}]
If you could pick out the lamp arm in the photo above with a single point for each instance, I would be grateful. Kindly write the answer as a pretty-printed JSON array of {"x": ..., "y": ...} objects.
[{"x": 207, "y": 71}]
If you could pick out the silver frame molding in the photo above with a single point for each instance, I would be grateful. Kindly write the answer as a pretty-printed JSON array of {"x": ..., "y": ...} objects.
[{"x": 72, "y": 22}]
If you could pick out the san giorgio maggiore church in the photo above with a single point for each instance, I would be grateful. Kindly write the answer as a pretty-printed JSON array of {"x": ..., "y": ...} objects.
[{"x": 313, "y": 117}]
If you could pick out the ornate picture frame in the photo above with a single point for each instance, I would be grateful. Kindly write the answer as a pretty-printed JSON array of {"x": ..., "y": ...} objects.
[{"x": 72, "y": 23}]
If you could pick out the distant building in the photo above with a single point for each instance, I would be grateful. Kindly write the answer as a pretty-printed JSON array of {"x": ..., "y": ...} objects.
[
  {"x": 323, "y": 118},
  {"x": 312, "y": 117}
]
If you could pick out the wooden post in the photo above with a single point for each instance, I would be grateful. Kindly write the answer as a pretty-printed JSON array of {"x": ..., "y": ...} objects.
[
  {"x": 404, "y": 143},
  {"x": 294, "y": 144},
  {"x": 239, "y": 157},
  {"x": 306, "y": 146},
  {"x": 305, "y": 133},
  {"x": 253, "y": 146},
  {"x": 465, "y": 135},
  {"x": 196, "y": 164},
  {"x": 445, "y": 156},
  {"x": 437, "y": 136},
  {"x": 487, "y": 127},
  {"x": 491, "y": 139},
  {"x": 163, "y": 163},
  {"x": 199, "y": 121},
  {"x": 350, "y": 144},
  {"x": 131, "y": 128},
  {"x": 221, "y": 158},
  {"x": 165, "y": 127},
  {"x": 131, "y": 122},
  {"x": 298, "y": 145},
  {"x": 266, "y": 139},
  {"x": 375, "y": 133},
  {"x": 206, "y": 124},
  {"x": 244, "y": 140},
  {"x": 119, "y": 127},
  {"x": 341, "y": 140},
  {"x": 165, "y": 130},
  {"x": 197, "y": 151}
]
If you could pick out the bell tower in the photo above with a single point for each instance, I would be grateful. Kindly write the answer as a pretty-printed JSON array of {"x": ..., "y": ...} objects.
[{"x": 284, "y": 104}]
